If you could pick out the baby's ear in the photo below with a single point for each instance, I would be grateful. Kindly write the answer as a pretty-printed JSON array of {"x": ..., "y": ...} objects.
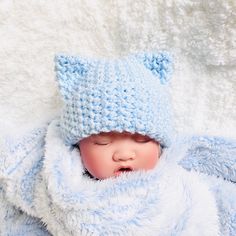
[
  {"x": 160, "y": 64},
  {"x": 69, "y": 73}
]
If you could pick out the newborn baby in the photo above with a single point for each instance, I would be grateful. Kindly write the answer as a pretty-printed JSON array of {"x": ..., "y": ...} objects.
[
  {"x": 109, "y": 165},
  {"x": 109, "y": 154}
]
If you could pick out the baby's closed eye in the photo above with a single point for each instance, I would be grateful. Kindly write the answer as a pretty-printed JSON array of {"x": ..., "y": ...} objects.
[
  {"x": 101, "y": 142},
  {"x": 97, "y": 140},
  {"x": 141, "y": 139}
]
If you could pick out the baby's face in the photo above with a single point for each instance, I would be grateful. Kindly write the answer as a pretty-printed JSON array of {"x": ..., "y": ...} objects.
[{"x": 110, "y": 154}]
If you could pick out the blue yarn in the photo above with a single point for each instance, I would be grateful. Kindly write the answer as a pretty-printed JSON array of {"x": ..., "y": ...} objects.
[
  {"x": 158, "y": 64},
  {"x": 124, "y": 94}
]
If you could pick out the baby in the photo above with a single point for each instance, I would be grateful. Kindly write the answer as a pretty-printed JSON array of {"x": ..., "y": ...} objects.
[
  {"x": 115, "y": 121},
  {"x": 109, "y": 164},
  {"x": 109, "y": 154}
]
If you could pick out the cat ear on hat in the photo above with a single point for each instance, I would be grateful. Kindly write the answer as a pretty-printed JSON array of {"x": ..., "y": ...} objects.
[
  {"x": 160, "y": 64},
  {"x": 69, "y": 72}
]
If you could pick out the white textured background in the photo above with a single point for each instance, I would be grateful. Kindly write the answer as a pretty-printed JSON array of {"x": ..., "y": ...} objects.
[{"x": 200, "y": 34}]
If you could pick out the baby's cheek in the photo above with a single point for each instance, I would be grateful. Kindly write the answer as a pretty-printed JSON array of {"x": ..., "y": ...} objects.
[
  {"x": 97, "y": 165},
  {"x": 151, "y": 162},
  {"x": 91, "y": 166},
  {"x": 152, "y": 156}
]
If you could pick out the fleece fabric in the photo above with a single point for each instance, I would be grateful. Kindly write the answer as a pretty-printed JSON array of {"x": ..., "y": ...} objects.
[
  {"x": 44, "y": 190},
  {"x": 200, "y": 34}
]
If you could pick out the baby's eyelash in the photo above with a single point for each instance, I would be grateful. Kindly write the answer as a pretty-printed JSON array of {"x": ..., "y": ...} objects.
[
  {"x": 142, "y": 139},
  {"x": 102, "y": 144}
]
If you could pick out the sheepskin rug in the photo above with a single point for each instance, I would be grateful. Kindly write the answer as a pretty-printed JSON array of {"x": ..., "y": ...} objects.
[{"x": 199, "y": 34}]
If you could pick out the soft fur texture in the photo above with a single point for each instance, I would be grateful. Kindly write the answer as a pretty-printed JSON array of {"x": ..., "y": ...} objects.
[
  {"x": 165, "y": 201},
  {"x": 200, "y": 34},
  {"x": 136, "y": 204}
]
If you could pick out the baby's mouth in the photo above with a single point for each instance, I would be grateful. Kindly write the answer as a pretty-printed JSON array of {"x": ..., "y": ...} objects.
[{"x": 123, "y": 169}]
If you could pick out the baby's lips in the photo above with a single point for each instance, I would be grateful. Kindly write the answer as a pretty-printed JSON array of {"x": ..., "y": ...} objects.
[{"x": 123, "y": 169}]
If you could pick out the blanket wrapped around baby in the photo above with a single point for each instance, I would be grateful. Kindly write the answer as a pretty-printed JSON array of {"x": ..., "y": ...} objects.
[{"x": 44, "y": 190}]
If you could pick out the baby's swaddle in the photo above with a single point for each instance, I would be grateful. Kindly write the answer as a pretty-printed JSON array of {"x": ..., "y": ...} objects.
[
  {"x": 46, "y": 180},
  {"x": 165, "y": 201}
]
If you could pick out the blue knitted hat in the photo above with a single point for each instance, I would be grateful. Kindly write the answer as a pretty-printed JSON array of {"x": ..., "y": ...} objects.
[{"x": 126, "y": 94}]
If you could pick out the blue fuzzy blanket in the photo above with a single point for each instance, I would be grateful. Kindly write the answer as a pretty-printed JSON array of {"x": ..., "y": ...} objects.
[{"x": 44, "y": 191}]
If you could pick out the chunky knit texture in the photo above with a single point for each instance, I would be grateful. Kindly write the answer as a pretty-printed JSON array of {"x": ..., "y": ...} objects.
[{"x": 124, "y": 94}]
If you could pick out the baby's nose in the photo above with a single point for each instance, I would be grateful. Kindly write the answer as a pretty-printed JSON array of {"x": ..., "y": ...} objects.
[{"x": 124, "y": 155}]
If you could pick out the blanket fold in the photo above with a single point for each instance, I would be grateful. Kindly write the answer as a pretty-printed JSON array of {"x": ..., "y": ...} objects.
[
  {"x": 45, "y": 179},
  {"x": 211, "y": 155},
  {"x": 136, "y": 203}
]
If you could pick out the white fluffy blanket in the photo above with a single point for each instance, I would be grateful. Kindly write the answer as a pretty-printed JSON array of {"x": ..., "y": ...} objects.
[
  {"x": 42, "y": 179},
  {"x": 200, "y": 34},
  {"x": 139, "y": 203}
]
